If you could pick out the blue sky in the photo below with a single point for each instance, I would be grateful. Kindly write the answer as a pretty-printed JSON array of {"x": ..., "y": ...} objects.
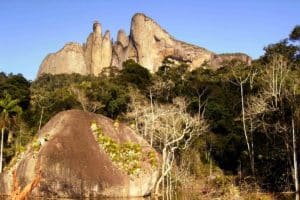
[{"x": 31, "y": 29}]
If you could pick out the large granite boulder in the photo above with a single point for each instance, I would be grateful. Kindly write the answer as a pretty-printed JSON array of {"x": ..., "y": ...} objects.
[{"x": 80, "y": 154}]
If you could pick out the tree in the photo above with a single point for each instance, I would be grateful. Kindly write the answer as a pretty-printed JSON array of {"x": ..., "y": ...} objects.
[
  {"x": 9, "y": 110},
  {"x": 243, "y": 76},
  {"x": 295, "y": 34},
  {"x": 18, "y": 87},
  {"x": 79, "y": 91},
  {"x": 172, "y": 128},
  {"x": 134, "y": 73},
  {"x": 272, "y": 112},
  {"x": 174, "y": 75},
  {"x": 43, "y": 101},
  {"x": 283, "y": 48},
  {"x": 295, "y": 116}
]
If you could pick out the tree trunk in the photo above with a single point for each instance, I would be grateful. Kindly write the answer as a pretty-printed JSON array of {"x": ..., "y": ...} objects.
[
  {"x": 295, "y": 161},
  {"x": 152, "y": 116},
  {"x": 1, "y": 149},
  {"x": 252, "y": 148},
  {"x": 41, "y": 118},
  {"x": 245, "y": 130},
  {"x": 161, "y": 178}
]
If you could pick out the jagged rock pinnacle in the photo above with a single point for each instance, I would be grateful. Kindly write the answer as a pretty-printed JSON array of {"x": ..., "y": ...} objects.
[
  {"x": 148, "y": 44},
  {"x": 97, "y": 27},
  {"x": 123, "y": 38}
]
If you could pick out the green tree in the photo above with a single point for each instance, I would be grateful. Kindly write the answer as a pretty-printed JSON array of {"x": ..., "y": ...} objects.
[
  {"x": 135, "y": 74},
  {"x": 295, "y": 34},
  {"x": 9, "y": 110},
  {"x": 18, "y": 87}
]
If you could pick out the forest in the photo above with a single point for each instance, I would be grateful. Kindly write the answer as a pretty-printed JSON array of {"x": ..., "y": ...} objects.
[{"x": 240, "y": 125}]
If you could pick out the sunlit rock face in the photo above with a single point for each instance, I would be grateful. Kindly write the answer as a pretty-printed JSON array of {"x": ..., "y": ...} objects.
[
  {"x": 65, "y": 60},
  {"x": 106, "y": 52},
  {"x": 75, "y": 153},
  {"x": 154, "y": 44},
  {"x": 93, "y": 50},
  {"x": 148, "y": 44},
  {"x": 218, "y": 60}
]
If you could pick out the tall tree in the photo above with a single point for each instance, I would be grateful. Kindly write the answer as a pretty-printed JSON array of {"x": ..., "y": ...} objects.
[
  {"x": 9, "y": 109},
  {"x": 243, "y": 76},
  {"x": 171, "y": 128}
]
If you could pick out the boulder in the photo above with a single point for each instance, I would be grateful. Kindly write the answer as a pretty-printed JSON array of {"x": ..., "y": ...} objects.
[{"x": 80, "y": 154}]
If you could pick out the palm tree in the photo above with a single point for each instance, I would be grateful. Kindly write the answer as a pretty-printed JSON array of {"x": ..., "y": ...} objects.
[{"x": 9, "y": 109}]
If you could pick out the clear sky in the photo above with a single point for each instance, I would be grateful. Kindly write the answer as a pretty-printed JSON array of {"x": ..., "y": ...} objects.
[{"x": 30, "y": 29}]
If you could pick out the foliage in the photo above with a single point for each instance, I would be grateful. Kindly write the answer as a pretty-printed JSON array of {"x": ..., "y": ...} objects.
[
  {"x": 133, "y": 73},
  {"x": 295, "y": 34},
  {"x": 127, "y": 156},
  {"x": 56, "y": 93},
  {"x": 9, "y": 111},
  {"x": 16, "y": 86}
]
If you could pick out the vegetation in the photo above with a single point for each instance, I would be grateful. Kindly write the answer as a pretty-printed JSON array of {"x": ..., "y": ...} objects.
[
  {"x": 238, "y": 120},
  {"x": 127, "y": 156}
]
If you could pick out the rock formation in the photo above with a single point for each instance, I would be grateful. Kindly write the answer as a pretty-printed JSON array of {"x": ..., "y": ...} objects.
[
  {"x": 93, "y": 50},
  {"x": 77, "y": 155},
  {"x": 148, "y": 44},
  {"x": 106, "y": 51},
  {"x": 153, "y": 45},
  {"x": 69, "y": 59},
  {"x": 218, "y": 60},
  {"x": 123, "y": 38}
]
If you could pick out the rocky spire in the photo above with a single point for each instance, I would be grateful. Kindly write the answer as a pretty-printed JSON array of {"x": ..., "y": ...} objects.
[
  {"x": 97, "y": 28},
  {"x": 93, "y": 49},
  {"x": 148, "y": 44},
  {"x": 122, "y": 38},
  {"x": 106, "y": 52}
]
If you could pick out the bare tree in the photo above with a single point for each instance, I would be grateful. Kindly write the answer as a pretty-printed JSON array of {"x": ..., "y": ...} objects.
[
  {"x": 43, "y": 101},
  {"x": 79, "y": 91},
  {"x": 240, "y": 81},
  {"x": 171, "y": 128},
  {"x": 275, "y": 76},
  {"x": 277, "y": 89},
  {"x": 295, "y": 160}
]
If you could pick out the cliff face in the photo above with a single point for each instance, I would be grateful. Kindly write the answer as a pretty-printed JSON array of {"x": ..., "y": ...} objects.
[
  {"x": 153, "y": 45},
  {"x": 70, "y": 59},
  {"x": 148, "y": 44},
  {"x": 218, "y": 60}
]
